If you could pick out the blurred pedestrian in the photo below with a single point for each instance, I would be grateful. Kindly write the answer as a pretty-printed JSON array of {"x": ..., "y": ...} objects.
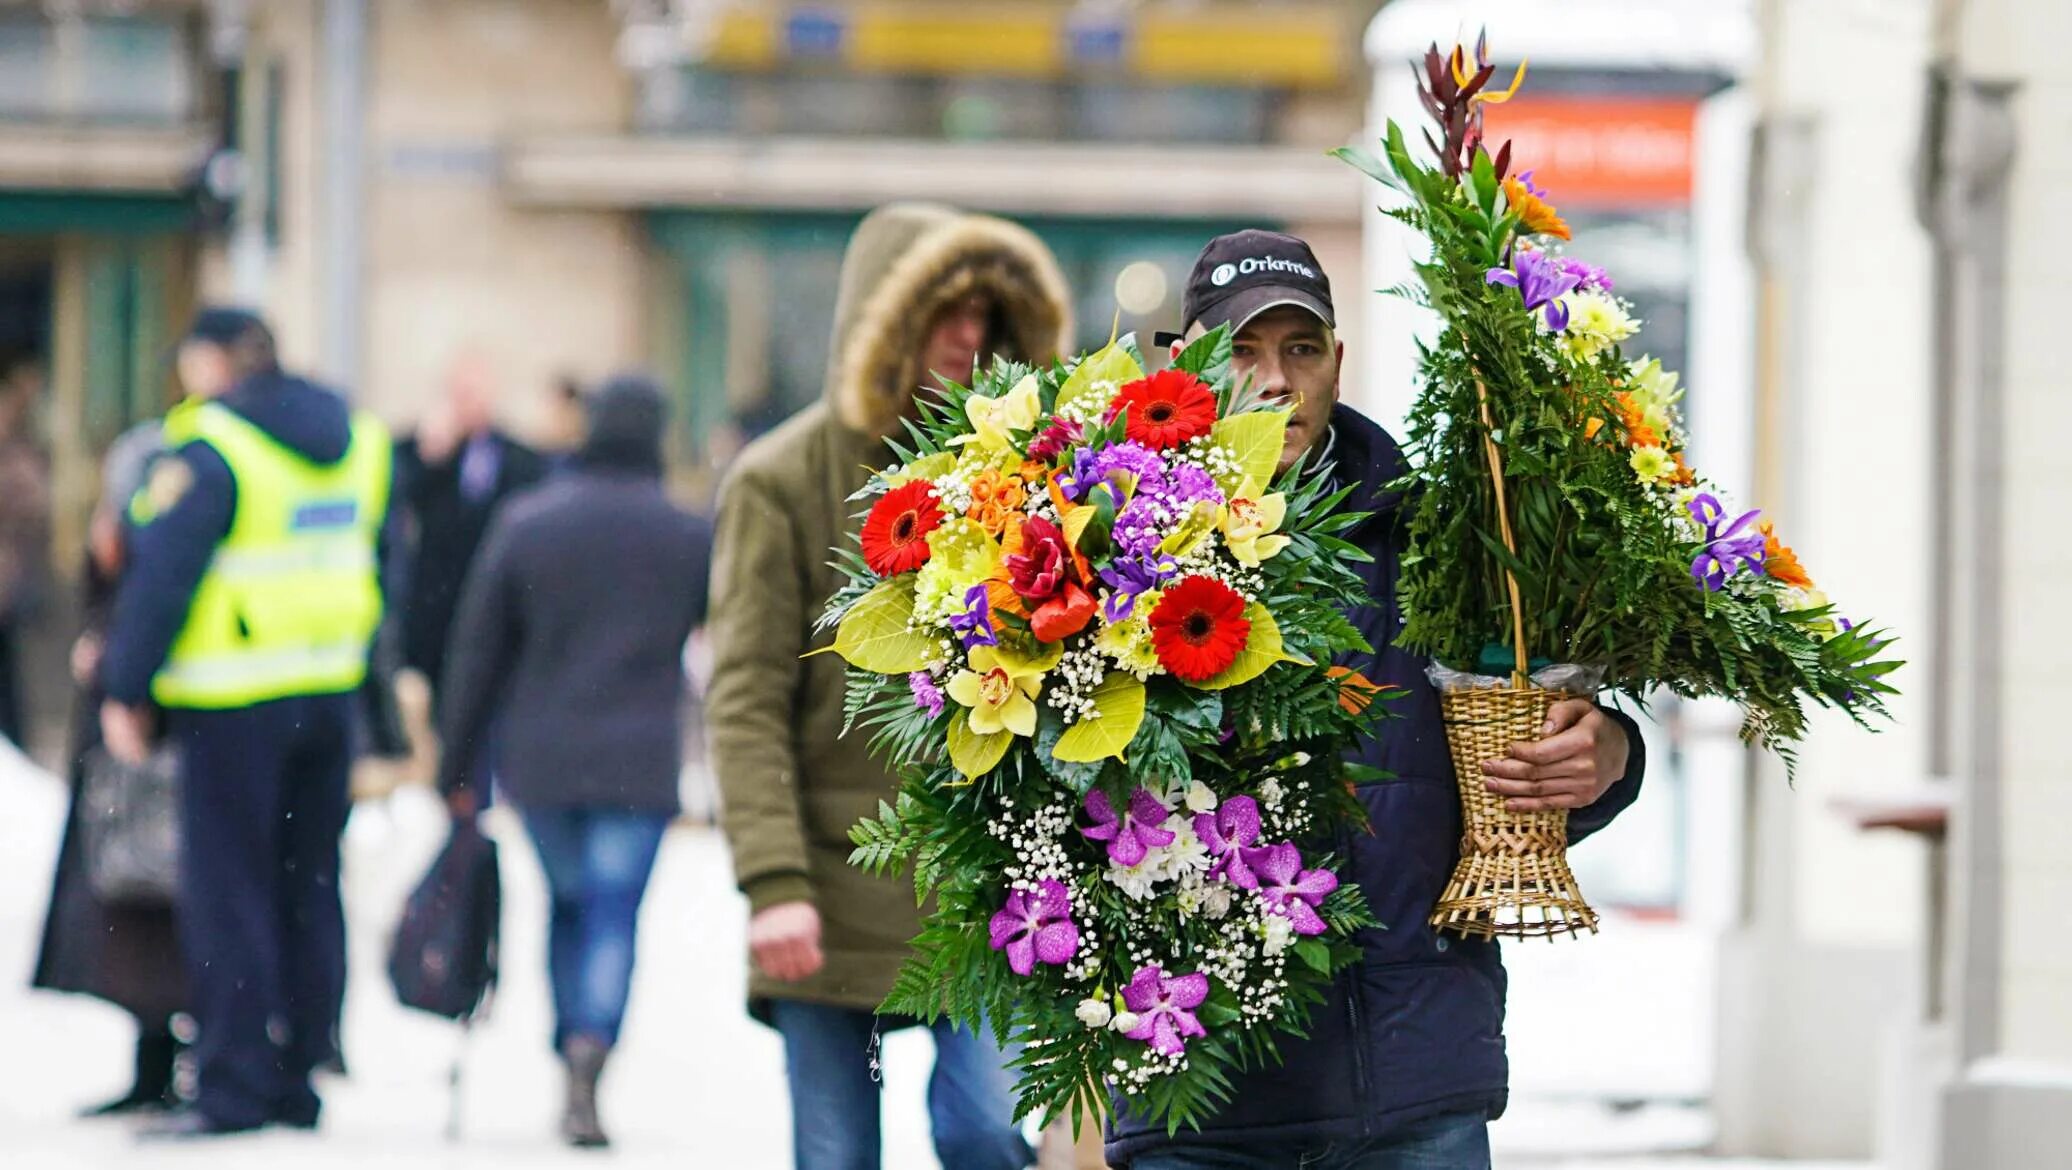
[
  {"x": 451, "y": 475},
  {"x": 569, "y": 642},
  {"x": 925, "y": 292},
  {"x": 567, "y": 419},
  {"x": 127, "y": 954},
  {"x": 246, "y": 614},
  {"x": 24, "y": 529}
]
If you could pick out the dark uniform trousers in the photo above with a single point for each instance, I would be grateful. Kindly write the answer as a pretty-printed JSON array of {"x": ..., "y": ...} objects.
[{"x": 264, "y": 802}]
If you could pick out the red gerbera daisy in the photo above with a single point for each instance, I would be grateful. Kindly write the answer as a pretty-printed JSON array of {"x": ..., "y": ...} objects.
[
  {"x": 1167, "y": 409},
  {"x": 1199, "y": 627},
  {"x": 895, "y": 534}
]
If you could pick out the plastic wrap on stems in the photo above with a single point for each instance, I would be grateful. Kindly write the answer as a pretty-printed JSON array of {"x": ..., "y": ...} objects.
[{"x": 1569, "y": 677}]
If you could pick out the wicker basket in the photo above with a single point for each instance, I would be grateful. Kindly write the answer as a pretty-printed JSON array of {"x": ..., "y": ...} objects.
[{"x": 1513, "y": 879}]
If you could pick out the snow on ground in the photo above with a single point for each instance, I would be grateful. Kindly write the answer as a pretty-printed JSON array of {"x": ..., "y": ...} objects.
[{"x": 695, "y": 1084}]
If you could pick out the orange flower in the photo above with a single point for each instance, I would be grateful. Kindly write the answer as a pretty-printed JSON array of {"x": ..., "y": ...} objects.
[
  {"x": 1780, "y": 562},
  {"x": 1536, "y": 214},
  {"x": 1683, "y": 476},
  {"x": 996, "y": 498},
  {"x": 1591, "y": 427},
  {"x": 1638, "y": 432}
]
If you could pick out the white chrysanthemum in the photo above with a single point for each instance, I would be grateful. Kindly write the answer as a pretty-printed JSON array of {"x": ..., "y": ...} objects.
[
  {"x": 1596, "y": 322},
  {"x": 1215, "y": 901}
]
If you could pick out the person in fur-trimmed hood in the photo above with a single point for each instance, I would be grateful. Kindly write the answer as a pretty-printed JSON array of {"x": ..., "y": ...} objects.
[{"x": 926, "y": 293}]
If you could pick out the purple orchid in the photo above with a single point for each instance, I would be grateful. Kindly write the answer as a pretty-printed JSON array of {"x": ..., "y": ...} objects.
[
  {"x": 1036, "y": 928},
  {"x": 1129, "y": 578},
  {"x": 1132, "y": 835},
  {"x": 1729, "y": 548},
  {"x": 1541, "y": 282},
  {"x": 1228, "y": 832},
  {"x": 1164, "y": 1007},
  {"x": 974, "y": 626},
  {"x": 1589, "y": 277},
  {"x": 1288, "y": 888},
  {"x": 927, "y": 696}
]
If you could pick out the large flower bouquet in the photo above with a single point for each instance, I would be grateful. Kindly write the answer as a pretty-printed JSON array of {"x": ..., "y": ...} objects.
[
  {"x": 1557, "y": 520},
  {"x": 1092, "y": 632}
]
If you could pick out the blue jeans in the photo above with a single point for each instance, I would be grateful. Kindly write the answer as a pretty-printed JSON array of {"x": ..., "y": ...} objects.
[
  {"x": 1456, "y": 1142},
  {"x": 597, "y": 863},
  {"x": 828, "y": 1054}
]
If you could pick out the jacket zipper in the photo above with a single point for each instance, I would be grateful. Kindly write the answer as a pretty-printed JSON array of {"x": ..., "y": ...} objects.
[{"x": 1359, "y": 1050}]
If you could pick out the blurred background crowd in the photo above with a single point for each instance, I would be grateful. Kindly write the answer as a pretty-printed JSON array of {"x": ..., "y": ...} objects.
[{"x": 1835, "y": 217}]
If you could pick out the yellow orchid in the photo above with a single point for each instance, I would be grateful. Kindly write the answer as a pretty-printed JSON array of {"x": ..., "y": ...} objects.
[
  {"x": 1000, "y": 688},
  {"x": 992, "y": 419},
  {"x": 1249, "y": 522},
  {"x": 1188, "y": 536},
  {"x": 1652, "y": 385}
]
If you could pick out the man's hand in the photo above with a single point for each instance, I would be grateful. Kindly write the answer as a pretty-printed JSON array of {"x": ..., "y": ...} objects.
[
  {"x": 1581, "y": 753},
  {"x": 126, "y": 731},
  {"x": 785, "y": 941}
]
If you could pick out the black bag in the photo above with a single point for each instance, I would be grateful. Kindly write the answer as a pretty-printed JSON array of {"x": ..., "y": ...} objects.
[
  {"x": 443, "y": 959},
  {"x": 131, "y": 821}
]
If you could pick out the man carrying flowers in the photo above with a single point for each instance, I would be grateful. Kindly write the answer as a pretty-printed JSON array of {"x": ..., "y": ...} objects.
[
  {"x": 925, "y": 292},
  {"x": 1404, "y": 1065}
]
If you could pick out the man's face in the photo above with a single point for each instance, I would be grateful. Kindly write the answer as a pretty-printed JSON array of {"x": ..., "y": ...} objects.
[
  {"x": 1292, "y": 358},
  {"x": 955, "y": 338},
  {"x": 205, "y": 369},
  {"x": 471, "y": 393}
]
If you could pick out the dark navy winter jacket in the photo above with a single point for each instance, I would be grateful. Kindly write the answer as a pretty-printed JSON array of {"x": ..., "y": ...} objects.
[
  {"x": 1416, "y": 1030},
  {"x": 169, "y": 556}
]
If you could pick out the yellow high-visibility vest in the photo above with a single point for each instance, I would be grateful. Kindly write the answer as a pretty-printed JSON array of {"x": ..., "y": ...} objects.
[{"x": 292, "y": 598}]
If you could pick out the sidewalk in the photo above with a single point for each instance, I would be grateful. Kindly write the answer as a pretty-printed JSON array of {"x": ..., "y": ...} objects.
[{"x": 695, "y": 1085}]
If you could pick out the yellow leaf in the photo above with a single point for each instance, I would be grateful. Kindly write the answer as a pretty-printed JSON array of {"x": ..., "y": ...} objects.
[
  {"x": 927, "y": 467},
  {"x": 1262, "y": 649},
  {"x": 1254, "y": 440},
  {"x": 1076, "y": 521},
  {"x": 1120, "y": 701},
  {"x": 972, "y": 753},
  {"x": 1113, "y": 363},
  {"x": 874, "y": 636}
]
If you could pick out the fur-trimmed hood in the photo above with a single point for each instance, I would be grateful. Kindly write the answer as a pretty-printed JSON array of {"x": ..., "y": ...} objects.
[{"x": 904, "y": 264}]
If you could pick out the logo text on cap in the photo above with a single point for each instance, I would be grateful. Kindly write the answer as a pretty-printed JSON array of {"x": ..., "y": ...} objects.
[{"x": 1224, "y": 274}]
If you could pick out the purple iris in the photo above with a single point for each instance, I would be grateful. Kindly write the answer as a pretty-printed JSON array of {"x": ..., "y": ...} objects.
[
  {"x": 927, "y": 696},
  {"x": 1541, "y": 281},
  {"x": 1036, "y": 928},
  {"x": 1290, "y": 889},
  {"x": 1133, "y": 834},
  {"x": 1164, "y": 1007},
  {"x": 1729, "y": 548},
  {"x": 1129, "y": 578},
  {"x": 975, "y": 625},
  {"x": 1227, "y": 832},
  {"x": 1090, "y": 466}
]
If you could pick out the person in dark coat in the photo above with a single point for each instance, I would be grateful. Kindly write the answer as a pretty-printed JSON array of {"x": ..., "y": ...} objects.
[
  {"x": 568, "y": 655},
  {"x": 451, "y": 477},
  {"x": 128, "y": 955},
  {"x": 1404, "y": 1065}
]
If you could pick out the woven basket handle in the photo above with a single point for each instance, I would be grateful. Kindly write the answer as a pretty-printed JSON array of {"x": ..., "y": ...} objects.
[{"x": 1519, "y": 676}]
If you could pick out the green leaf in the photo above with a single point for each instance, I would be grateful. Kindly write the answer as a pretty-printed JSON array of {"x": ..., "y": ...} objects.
[
  {"x": 1262, "y": 649},
  {"x": 1208, "y": 356},
  {"x": 1254, "y": 439},
  {"x": 1316, "y": 953},
  {"x": 973, "y": 754},
  {"x": 1120, "y": 701},
  {"x": 1113, "y": 363},
  {"x": 874, "y": 636}
]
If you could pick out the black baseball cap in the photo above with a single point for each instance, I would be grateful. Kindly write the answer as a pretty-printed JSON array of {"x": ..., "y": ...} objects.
[
  {"x": 226, "y": 325},
  {"x": 1241, "y": 275}
]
